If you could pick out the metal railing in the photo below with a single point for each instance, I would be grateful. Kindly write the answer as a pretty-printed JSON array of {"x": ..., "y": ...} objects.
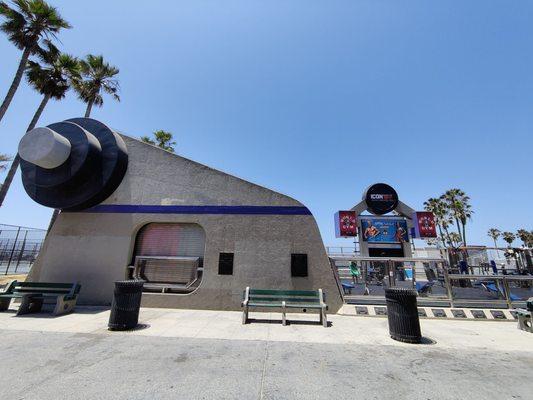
[
  {"x": 19, "y": 247},
  {"x": 368, "y": 277}
]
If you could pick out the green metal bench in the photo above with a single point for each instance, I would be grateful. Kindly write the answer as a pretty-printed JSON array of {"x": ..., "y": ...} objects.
[
  {"x": 284, "y": 299},
  {"x": 33, "y": 294}
]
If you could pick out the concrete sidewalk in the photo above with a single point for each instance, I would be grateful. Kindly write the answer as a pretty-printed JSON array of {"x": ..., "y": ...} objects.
[{"x": 186, "y": 354}]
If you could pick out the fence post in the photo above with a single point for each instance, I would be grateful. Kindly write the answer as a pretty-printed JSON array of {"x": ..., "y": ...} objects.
[
  {"x": 22, "y": 248},
  {"x": 506, "y": 291},
  {"x": 448, "y": 286},
  {"x": 12, "y": 250}
]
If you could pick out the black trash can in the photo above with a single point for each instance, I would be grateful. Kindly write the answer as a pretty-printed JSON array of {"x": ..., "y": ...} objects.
[
  {"x": 126, "y": 304},
  {"x": 402, "y": 312}
]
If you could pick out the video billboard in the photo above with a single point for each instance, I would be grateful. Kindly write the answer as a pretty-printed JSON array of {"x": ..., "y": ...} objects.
[
  {"x": 384, "y": 230},
  {"x": 424, "y": 222},
  {"x": 345, "y": 224}
]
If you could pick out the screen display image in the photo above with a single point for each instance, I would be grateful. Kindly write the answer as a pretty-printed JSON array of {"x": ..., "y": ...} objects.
[
  {"x": 384, "y": 230},
  {"x": 425, "y": 226},
  {"x": 345, "y": 224}
]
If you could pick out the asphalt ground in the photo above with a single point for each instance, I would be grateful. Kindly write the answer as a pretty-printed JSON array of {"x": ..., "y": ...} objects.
[{"x": 185, "y": 354}]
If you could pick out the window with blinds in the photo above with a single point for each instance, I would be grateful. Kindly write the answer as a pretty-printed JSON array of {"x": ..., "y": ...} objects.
[{"x": 166, "y": 239}]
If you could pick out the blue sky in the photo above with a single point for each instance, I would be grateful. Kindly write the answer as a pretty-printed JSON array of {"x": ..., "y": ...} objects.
[{"x": 314, "y": 99}]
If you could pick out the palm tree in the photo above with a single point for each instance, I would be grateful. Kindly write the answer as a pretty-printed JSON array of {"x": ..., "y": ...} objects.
[
  {"x": 97, "y": 77},
  {"x": 458, "y": 204},
  {"x": 454, "y": 239},
  {"x": 524, "y": 236},
  {"x": 25, "y": 25},
  {"x": 494, "y": 234},
  {"x": 509, "y": 237},
  {"x": 162, "y": 139},
  {"x": 52, "y": 80},
  {"x": 438, "y": 208}
]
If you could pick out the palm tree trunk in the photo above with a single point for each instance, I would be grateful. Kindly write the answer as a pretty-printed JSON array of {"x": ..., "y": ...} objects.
[
  {"x": 464, "y": 241},
  {"x": 441, "y": 235},
  {"x": 89, "y": 108},
  {"x": 496, "y": 246},
  {"x": 15, "y": 164},
  {"x": 459, "y": 229},
  {"x": 448, "y": 239},
  {"x": 16, "y": 82}
]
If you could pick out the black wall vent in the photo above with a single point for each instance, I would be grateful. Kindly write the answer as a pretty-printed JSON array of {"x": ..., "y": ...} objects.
[
  {"x": 225, "y": 264},
  {"x": 299, "y": 265}
]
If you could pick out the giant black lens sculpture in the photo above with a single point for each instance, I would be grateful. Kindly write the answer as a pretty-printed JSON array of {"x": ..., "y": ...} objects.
[{"x": 72, "y": 165}]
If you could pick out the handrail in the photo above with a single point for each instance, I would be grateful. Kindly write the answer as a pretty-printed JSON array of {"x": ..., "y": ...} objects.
[
  {"x": 492, "y": 277},
  {"x": 393, "y": 259}
]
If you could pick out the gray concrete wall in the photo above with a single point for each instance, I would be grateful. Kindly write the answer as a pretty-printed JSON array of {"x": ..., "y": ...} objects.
[{"x": 96, "y": 248}]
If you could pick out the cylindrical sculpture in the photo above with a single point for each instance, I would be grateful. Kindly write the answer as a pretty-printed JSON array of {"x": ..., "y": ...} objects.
[
  {"x": 402, "y": 312},
  {"x": 72, "y": 165},
  {"x": 126, "y": 304}
]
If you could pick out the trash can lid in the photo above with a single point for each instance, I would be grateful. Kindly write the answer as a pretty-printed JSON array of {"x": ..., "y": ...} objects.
[
  {"x": 130, "y": 283},
  {"x": 401, "y": 291}
]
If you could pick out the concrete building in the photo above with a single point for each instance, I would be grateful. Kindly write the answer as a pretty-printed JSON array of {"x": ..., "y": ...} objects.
[{"x": 235, "y": 234}]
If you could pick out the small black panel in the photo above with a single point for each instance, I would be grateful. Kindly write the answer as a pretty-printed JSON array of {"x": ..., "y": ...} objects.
[
  {"x": 299, "y": 265},
  {"x": 225, "y": 263}
]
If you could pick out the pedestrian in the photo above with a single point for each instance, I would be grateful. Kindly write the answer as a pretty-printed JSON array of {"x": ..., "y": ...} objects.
[
  {"x": 494, "y": 267},
  {"x": 355, "y": 271},
  {"x": 463, "y": 267}
]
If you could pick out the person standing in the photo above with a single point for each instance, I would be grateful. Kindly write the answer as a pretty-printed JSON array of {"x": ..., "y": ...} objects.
[
  {"x": 355, "y": 272},
  {"x": 494, "y": 267}
]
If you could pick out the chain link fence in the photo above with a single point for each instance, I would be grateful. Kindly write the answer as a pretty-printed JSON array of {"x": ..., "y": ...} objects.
[{"x": 19, "y": 247}]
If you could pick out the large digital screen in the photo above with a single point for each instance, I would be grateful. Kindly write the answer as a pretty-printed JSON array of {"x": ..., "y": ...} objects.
[
  {"x": 384, "y": 230},
  {"x": 424, "y": 223},
  {"x": 345, "y": 224}
]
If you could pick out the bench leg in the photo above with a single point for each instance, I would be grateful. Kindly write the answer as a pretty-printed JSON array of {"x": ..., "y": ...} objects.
[
  {"x": 30, "y": 305},
  {"x": 64, "y": 306},
  {"x": 4, "y": 304},
  {"x": 245, "y": 315},
  {"x": 525, "y": 323},
  {"x": 283, "y": 314},
  {"x": 323, "y": 318}
]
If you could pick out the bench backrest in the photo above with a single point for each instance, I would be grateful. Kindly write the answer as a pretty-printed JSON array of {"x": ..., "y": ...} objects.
[
  {"x": 46, "y": 287},
  {"x": 183, "y": 270},
  {"x": 292, "y": 296}
]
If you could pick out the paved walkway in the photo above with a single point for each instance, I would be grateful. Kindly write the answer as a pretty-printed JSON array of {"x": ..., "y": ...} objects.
[{"x": 186, "y": 354}]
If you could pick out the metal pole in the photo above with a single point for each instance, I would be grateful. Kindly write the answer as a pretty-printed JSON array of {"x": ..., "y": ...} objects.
[
  {"x": 507, "y": 290},
  {"x": 12, "y": 250}
]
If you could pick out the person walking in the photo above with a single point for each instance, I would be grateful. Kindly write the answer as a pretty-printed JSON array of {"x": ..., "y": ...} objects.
[{"x": 355, "y": 272}]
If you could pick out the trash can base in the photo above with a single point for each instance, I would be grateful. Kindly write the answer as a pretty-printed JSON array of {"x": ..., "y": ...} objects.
[{"x": 411, "y": 340}]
